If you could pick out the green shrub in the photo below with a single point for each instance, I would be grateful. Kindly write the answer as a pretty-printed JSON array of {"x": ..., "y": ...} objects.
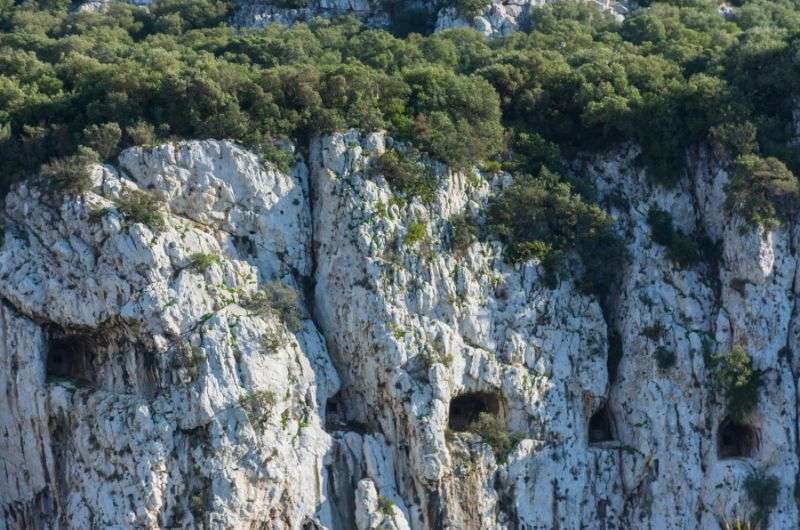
[
  {"x": 141, "y": 133},
  {"x": 406, "y": 175},
  {"x": 455, "y": 118},
  {"x": 385, "y": 506},
  {"x": 142, "y": 207},
  {"x": 681, "y": 249},
  {"x": 763, "y": 493},
  {"x": 737, "y": 380},
  {"x": 655, "y": 332},
  {"x": 537, "y": 216},
  {"x": 468, "y": 9},
  {"x": 283, "y": 159},
  {"x": 660, "y": 222},
  {"x": 665, "y": 358},
  {"x": 103, "y": 138},
  {"x": 200, "y": 261},
  {"x": 69, "y": 174},
  {"x": 685, "y": 250},
  {"x": 731, "y": 140},
  {"x": 276, "y": 299},
  {"x": 258, "y": 405},
  {"x": 192, "y": 14},
  {"x": 762, "y": 190},
  {"x": 463, "y": 232},
  {"x": 272, "y": 341},
  {"x": 526, "y": 250},
  {"x": 494, "y": 433},
  {"x": 415, "y": 234}
]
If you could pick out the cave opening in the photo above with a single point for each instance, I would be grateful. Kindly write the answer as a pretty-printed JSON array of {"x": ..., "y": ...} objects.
[
  {"x": 338, "y": 419},
  {"x": 334, "y": 413},
  {"x": 736, "y": 440},
  {"x": 70, "y": 356},
  {"x": 466, "y": 408},
  {"x": 601, "y": 428}
]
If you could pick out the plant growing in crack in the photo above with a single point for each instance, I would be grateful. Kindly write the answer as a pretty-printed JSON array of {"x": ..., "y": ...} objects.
[
  {"x": 762, "y": 490},
  {"x": 493, "y": 432},
  {"x": 276, "y": 299},
  {"x": 258, "y": 405},
  {"x": 736, "y": 379},
  {"x": 385, "y": 506},
  {"x": 271, "y": 341},
  {"x": 201, "y": 261},
  {"x": 665, "y": 358},
  {"x": 141, "y": 207}
]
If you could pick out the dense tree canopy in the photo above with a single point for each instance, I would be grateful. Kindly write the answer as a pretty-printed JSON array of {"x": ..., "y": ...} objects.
[{"x": 76, "y": 85}]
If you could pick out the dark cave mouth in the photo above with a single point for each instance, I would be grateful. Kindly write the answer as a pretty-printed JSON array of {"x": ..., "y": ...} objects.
[
  {"x": 601, "y": 427},
  {"x": 736, "y": 440},
  {"x": 466, "y": 408},
  {"x": 70, "y": 356}
]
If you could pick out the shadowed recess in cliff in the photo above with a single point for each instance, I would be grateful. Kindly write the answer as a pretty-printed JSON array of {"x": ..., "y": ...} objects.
[
  {"x": 601, "y": 426},
  {"x": 337, "y": 419},
  {"x": 71, "y": 356},
  {"x": 736, "y": 440},
  {"x": 111, "y": 358},
  {"x": 466, "y": 408}
]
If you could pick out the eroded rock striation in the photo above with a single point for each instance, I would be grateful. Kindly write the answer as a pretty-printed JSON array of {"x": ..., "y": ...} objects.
[{"x": 150, "y": 380}]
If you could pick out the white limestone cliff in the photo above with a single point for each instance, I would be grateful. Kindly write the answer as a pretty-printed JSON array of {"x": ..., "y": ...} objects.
[
  {"x": 141, "y": 387},
  {"x": 500, "y": 17}
]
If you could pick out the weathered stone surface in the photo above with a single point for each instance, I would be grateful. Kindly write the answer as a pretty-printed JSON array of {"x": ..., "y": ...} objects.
[{"x": 141, "y": 389}]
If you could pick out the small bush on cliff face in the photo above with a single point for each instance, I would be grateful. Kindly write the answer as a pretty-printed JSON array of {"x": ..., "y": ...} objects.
[
  {"x": 763, "y": 493},
  {"x": 415, "y": 234},
  {"x": 737, "y": 380},
  {"x": 682, "y": 249},
  {"x": 403, "y": 171},
  {"x": 258, "y": 405},
  {"x": 70, "y": 174},
  {"x": 463, "y": 232},
  {"x": 762, "y": 190},
  {"x": 385, "y": 505},
  {"x": 537, "y": 216},
  {"x": 189, "y": 358},
  {"x": 276, "y": 299},
  {"x": 201, "y": 261},
  {"x": 468, "y": 9},
  {"x": 103, "y": 138},
  {"x": 493, "y": 432},
  {"x": 665, "y": 358},
  {"x": 141, "y": 207}
]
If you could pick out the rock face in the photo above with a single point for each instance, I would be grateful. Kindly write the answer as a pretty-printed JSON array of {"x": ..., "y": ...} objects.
[
  {"x": 498, "y": 19},
  {"x": 146, "y": 383}
]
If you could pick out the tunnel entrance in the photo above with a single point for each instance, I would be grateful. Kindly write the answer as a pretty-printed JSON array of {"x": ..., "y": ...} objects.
[
  {"x": 736, "y": 440},
  {"x": 70, "y": 356},
  {"x": 601, "y": 427},
  {"x": 465, "y": 409}
]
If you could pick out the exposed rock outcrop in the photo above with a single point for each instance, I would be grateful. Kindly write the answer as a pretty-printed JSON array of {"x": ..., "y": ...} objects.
[
  {"x": 498, "y": 19},
  {"x": 148, "y": 382}
]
